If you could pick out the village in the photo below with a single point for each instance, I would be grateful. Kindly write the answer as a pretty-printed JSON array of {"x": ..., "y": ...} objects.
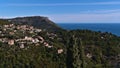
[{"x": 24, "y": 35}]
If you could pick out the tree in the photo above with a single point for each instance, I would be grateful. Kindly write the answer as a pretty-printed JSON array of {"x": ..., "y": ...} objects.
[
  {"x": 82, "y": 53},
  {"x": 76, "y": 54}
]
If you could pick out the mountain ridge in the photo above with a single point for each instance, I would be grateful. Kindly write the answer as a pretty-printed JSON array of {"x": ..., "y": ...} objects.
[{"x": 36, "y": 21}]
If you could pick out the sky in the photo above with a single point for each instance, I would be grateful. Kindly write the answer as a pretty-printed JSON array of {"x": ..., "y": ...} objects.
[{"x": 64, "y": 11}]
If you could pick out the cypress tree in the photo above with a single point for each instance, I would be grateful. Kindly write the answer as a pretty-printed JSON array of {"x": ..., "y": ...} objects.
[
  {"x": 69, "y": 56},
  {"x": 82, "y": 53},
  {"x": 76, "y": 54}
]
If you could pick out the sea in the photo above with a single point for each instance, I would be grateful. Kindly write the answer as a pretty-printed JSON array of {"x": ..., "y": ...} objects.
[{"x": 113, "y": 28}]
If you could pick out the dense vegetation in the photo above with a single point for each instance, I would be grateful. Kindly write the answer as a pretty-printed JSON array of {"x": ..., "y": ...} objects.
[
  {"x": 34, "y": 57},
  {"x": 88, "y": 49},
  {"x": 82, "y": 49}
]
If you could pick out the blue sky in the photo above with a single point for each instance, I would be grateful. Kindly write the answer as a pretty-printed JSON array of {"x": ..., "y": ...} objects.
[{"x": 64, "y": 11}]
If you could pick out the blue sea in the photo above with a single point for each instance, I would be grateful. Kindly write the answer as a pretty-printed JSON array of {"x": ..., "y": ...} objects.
[{"x": 113, "y": 28}]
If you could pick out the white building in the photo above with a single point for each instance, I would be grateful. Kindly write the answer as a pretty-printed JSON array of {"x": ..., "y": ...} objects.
[
  {"x": 11, "y": 42},
  {"x": 60, "y": 51},
  {"x": 28, "y": 38},
  {"x": 22, "y": 46}
]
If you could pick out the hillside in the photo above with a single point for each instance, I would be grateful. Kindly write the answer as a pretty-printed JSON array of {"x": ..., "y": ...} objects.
[
  {"x": 26, "y": 45},
  {"x": 37, "y": 21}
]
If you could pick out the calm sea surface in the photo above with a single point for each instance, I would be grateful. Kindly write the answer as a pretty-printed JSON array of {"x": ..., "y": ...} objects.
[{"x": 113, "y": 28}]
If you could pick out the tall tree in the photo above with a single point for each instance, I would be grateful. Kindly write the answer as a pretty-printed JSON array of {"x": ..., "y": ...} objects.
[
  {"x": 82, "y": 52},
  {"x": 76, "y": 54}
]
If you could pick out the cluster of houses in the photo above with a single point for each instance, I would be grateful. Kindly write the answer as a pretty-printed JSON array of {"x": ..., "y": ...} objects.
[{"x": 28, "y": 36}]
